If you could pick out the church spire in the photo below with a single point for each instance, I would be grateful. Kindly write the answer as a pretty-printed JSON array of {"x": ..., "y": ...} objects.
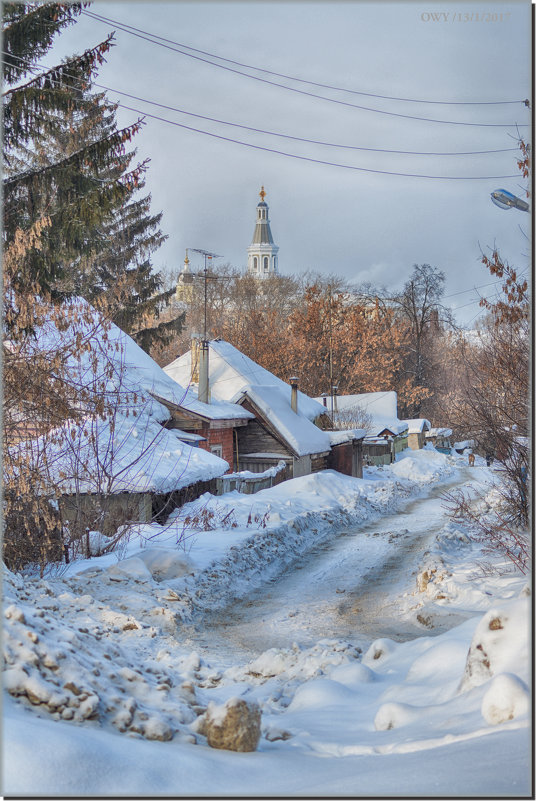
[{"x": 262, "y": 253}]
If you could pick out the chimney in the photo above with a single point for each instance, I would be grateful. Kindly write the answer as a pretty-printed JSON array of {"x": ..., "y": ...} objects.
[
  {"x": 194, "y": 359},
  {"x": 202, "y": 391},
  {"x": 294, "y": 394},
  {"x": 335, "y": 390}
]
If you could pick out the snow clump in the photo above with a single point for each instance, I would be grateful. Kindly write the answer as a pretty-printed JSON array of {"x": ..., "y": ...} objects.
[{"x": 507, "y": 698}]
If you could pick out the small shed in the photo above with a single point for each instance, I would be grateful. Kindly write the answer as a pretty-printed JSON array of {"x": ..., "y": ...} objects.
[
  {"x": 347, "y": 452},
  {"x": 125, "y": 470},
  {"x": 464, "y": 445},
  {"x": 440, "y": 439},
  {"x": 386, "y": 435},
  {"x": 417, "y": 429}
]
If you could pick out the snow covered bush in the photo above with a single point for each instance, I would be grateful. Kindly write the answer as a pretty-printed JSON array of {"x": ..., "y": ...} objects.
[{"x": 508, "y": 697}]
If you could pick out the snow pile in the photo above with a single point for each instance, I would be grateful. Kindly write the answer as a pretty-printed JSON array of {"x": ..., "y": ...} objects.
[
  {"x": 59, "y": 659},
  {"x": 423, "y": 466},
  {"x": 507, "y": 698},
  {"x": 500, "y": 645}
]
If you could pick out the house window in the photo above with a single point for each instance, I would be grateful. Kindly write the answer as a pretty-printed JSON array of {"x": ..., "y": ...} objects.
[
  {"x": 266, "y": 264},
  {"x": 217, "y": 450}
]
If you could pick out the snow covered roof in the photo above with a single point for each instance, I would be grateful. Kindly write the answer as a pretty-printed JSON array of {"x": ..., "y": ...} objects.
[
  {"x": 143, "y": 370},
  {"x": 346, "y": 435},
  {"x": 380, "y": 406},
  {"x": 418, "y": 425},
  {"x": 303, "y": 436},
  {"x": 233, "y": 375},
  {"x": 123, "y": 454},
  {"x": 466, "y": 443},
  {"x": 128, "y": 371},
  {"x": 439, "y": 432}
]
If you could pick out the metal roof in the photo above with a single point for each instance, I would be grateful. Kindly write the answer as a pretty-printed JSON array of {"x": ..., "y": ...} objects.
[{"x": 262, "y": 234}]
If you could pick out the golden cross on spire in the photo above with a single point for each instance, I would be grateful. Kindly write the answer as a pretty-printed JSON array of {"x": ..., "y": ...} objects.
[{"x": 262, "y": 193}]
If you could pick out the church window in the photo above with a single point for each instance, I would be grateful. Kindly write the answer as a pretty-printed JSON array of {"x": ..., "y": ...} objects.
[
  {"x": 255, "y": 262},
  {"x": 266, "y": 264}
]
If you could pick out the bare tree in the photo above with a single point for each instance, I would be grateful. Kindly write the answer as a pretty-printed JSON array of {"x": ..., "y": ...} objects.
[{"x": 420, "y": 305}]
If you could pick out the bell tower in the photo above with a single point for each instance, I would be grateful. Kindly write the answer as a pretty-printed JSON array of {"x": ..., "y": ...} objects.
[{"x": 262, "y": 253}]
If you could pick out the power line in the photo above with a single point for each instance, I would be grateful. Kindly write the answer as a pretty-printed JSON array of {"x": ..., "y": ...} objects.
[
  {"x": 101, "y": 18},
  {"x": 473, "y": 289},
  {"x": 298, "y": 138},
  {"x": 301, "y": 91},
  {"x": 310, "y": 159},
  {"x": 482, "y": 286},
  {"x": 318, "y": 161},
  {"x": 303, "y": 139}
]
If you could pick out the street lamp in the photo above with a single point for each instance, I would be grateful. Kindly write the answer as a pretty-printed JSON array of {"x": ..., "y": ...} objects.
[
  {"x": 506, "y": 200},
  {"x": 188, "y": 278}
]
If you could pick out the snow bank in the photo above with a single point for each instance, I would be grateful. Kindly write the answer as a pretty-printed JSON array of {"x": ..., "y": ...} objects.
[
  {"x": 106, "y": 649},
  {"x": 423, "y": 466}
]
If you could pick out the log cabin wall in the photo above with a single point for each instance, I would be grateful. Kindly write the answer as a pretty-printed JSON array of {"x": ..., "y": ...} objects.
[{"x": 253, "y": 438}]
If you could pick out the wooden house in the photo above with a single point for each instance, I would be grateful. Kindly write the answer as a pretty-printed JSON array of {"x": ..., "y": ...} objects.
[{"x": 286, "y": 424}]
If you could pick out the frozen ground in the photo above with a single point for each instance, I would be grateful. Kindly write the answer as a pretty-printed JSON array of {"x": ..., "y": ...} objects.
[{"x": 352, "y": 611}]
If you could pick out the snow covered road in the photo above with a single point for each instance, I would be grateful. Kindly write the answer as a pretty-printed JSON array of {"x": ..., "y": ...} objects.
[
  {"x": 349, "y": 587},
  {"x": 331, "y": 602}
]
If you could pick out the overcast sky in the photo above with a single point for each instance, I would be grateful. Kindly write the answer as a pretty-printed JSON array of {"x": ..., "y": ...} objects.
[{"x": 365, "y": 226}]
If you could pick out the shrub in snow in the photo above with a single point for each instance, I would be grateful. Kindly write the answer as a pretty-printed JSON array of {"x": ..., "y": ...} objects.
[
  {"x": 234, "y": 726},
  {"x": 507, "y": 698},
  {"x": 379, "y": 650},
  {"x": 130, "y": 568},
  {"x": 392, "y": 716},
  {"x": 320, "y": 693},
  {"x": 500, "y": 644},
  {"x": 165, "y": 563},
  {"x": 353, "y": 674}
]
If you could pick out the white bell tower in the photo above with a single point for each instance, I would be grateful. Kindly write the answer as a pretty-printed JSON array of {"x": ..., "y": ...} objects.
[{"x": 262, "y": 253}]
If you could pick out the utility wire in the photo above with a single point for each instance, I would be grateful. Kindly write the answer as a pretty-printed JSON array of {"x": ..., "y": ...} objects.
[
  {"x": 303, "y": 139},
  {"x": 101, "y": 18},
  {"x": 318, "y": 161},
  {"x": 482, "y": 286},
  {"x": 473, "y": 289},
  {"x": 295, "y": 138},
  {"x": 303, "y": 92},
  {"x": 313, "y": 160}
]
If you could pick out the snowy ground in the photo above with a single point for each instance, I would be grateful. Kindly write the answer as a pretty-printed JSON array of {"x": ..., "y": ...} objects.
[{"x": 110, "y": 665}]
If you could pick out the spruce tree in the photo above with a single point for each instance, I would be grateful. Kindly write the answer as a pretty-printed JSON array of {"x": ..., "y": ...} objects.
[{"x": 72, "y": 191}]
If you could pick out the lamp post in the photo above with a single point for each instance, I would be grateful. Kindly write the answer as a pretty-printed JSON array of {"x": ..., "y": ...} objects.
[
  {"x": 333, "y": 388},
  {"x": 203, "y": 360},
  {"x": 506, "y": 200}
]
